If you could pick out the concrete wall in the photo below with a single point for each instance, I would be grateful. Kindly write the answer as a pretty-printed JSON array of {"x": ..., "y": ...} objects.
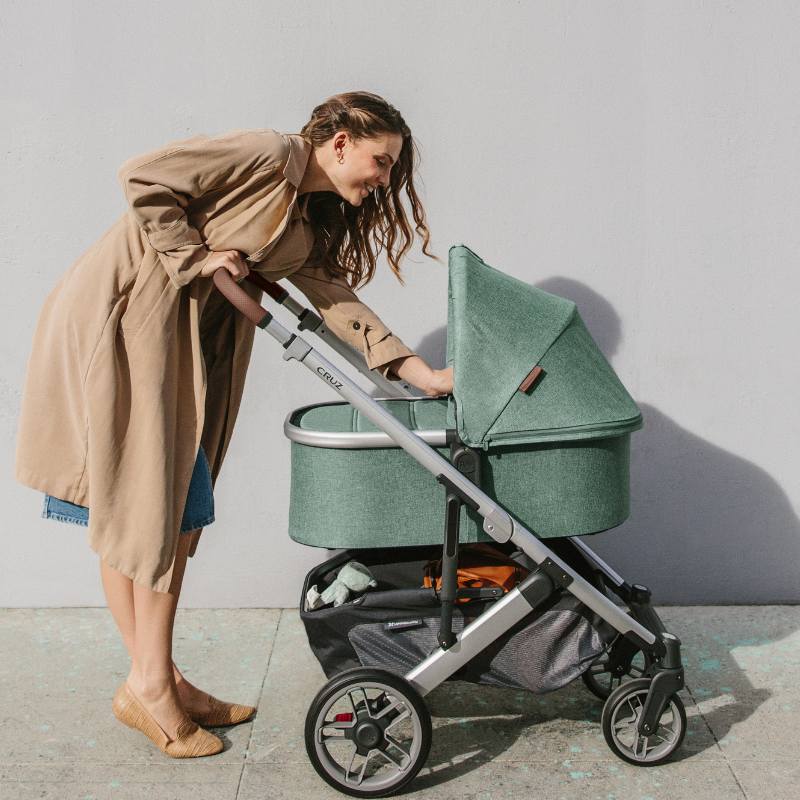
[{"x": 639, "y": 158}]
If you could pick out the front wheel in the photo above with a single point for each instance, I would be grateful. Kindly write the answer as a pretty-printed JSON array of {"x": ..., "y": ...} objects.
[
  {"x": 621, "y": 715},
  {"x": 368, "y": 732}
]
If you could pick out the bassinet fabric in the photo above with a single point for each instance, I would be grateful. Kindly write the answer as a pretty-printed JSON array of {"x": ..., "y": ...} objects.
[
  {"x": 500, "y": 328},
  {"x": 374, "y": 497},
  {"x": 555, "y": 455}
]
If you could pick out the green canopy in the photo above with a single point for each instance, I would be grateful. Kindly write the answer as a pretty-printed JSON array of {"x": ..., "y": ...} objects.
[{"x": 498, "y": 330}]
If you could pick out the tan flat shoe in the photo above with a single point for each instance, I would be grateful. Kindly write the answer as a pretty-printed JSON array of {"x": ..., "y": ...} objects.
[
  {"x": 190, "y": 740},
  {"x": 221, "y": 713}
]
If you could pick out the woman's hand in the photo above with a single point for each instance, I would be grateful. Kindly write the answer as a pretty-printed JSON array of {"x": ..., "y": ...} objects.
[
  {"x": 441, "y": 382},
  {"x": 230, "y": 260},
  {"x": 417, "y": 372}
]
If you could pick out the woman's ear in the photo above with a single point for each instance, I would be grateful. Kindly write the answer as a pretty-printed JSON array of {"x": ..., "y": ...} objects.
[{"x": 340, "y": 141}]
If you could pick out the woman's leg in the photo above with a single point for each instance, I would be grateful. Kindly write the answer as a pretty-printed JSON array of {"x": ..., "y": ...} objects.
[
  {"x": 119, "y": 598},
  {"x": 151, "y": 677}
]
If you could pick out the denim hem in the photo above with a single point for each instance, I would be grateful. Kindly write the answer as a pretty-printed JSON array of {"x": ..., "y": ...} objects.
[
  {"x": 196, "y": 525},
  {"x": 62, "y": 518},
  {"x": 48, "y": 514},
  {"x": 199, "y": 501}
]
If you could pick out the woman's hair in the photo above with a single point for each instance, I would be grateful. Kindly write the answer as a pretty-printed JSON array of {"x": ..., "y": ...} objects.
[{"x": 347, "y": 238}]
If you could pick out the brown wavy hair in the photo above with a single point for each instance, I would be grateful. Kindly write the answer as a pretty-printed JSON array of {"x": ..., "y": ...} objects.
[{"x": 347, "y": 238}]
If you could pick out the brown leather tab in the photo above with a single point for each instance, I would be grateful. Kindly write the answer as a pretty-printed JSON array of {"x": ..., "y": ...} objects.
[{"x": 530, "y": 378}]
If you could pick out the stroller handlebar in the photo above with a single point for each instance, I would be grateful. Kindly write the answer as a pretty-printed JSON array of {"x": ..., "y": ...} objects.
[
  {"x": 308, "y": 320},
  {"x": 277, "y": 293},
  {"x": 253, "y": 310}
]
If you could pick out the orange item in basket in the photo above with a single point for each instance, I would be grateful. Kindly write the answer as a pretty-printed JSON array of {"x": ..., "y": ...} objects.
[{"x": 479, "y": 566}]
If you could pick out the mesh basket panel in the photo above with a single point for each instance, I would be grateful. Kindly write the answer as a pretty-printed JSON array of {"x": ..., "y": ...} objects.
[{"x": 546, "y": 654}]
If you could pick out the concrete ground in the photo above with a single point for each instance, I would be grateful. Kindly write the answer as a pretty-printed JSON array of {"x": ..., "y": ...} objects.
[{"x": 58, "y": 739}]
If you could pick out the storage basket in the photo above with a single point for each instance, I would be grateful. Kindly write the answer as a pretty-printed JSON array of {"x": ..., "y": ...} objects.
[{"x": 395, "y": 626}]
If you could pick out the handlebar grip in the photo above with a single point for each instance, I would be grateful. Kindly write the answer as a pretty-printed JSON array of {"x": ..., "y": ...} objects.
[
  {"x": 277, "y": 293},
  {"x": 242, "y": 301}
]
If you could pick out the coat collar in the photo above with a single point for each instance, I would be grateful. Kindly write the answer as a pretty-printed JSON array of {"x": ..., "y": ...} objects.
[{"x": 293, "y": 170}]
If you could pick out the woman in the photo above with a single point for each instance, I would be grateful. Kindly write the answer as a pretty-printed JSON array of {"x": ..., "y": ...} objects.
[{"x": 138, "y": 362}]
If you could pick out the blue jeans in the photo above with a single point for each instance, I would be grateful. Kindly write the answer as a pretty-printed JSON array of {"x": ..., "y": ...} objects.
[{"x": 197, "y": 513}]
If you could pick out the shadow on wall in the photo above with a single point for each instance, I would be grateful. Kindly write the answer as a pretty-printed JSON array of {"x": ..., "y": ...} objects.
[{"x": 707, "y": 526}]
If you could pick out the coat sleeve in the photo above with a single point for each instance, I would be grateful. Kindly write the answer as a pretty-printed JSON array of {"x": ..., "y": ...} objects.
[
  {"x": 159, "y": 186},
  {"x": 350, "y": 319}
]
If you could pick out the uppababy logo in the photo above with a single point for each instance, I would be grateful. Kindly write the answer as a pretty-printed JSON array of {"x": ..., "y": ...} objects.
[
  {"x": 403, "y": 624},
  {"x": 328, "y": 377}
]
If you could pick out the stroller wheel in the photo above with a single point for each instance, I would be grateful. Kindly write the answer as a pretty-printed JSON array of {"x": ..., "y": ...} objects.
[
  {"x": 603, "y": 676},
  {"x": 621, "y": 715},
  {"x": 368, "y": 732}
]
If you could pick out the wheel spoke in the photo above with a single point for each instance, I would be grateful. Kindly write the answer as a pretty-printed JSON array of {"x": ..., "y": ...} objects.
[
  {"x": 624, "y": 724},
  {"x": 350, "y": 765},
  {"x": 398, "y": 764},
  {"x": 351, "y": 696},
  {"x": 399, "y": 718},
  {"x": 395, "y": 703},
  {"x": 640, "y": 747},
  {"x": 666, "y": 739},
  {"x": 366, "y": 703},
  {"x": 339, "y": 727},
  {"x": 361, "y": 772},
  {"x": 397, "y": 745}
]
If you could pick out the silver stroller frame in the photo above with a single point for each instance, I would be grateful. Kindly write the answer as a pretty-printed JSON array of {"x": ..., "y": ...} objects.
[{"x": 661, "y": 648}]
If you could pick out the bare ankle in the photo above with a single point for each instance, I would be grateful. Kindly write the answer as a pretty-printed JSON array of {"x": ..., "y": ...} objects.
[{"x": 151, "y": 680}]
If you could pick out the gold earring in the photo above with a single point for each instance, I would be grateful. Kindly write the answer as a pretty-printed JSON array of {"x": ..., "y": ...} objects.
[{"x": 341, "y": 157}]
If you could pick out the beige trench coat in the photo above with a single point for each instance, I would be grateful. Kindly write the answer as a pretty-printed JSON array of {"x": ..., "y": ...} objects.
[{"x": 136, "y": 359}]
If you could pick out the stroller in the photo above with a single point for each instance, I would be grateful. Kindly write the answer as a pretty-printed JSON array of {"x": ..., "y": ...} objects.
[{"x": 532, "y": 450}]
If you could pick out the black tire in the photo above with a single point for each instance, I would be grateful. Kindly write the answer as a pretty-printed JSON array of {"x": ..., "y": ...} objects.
[
  {"x": 371, "y": 718},
  {"x": 621, "y": 714}
]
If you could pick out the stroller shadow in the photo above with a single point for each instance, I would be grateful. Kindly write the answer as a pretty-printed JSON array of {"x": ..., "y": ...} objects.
[
  {"x": 485, "y": 722},
  {"x": 707, "y": 527}
]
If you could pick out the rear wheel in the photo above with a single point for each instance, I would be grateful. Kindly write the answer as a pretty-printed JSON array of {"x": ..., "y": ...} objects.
[{"x": 368, "y": 732}]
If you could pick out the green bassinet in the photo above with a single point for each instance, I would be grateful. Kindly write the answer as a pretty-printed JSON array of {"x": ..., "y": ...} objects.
[{"x": 554, "y": 448}]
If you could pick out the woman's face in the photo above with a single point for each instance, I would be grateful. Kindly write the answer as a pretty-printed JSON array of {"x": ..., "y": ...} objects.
[{"x": 367, "y": 163}]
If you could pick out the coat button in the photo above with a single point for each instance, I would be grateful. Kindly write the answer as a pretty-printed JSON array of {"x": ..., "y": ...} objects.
[{"x": 356, "y": 326}]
